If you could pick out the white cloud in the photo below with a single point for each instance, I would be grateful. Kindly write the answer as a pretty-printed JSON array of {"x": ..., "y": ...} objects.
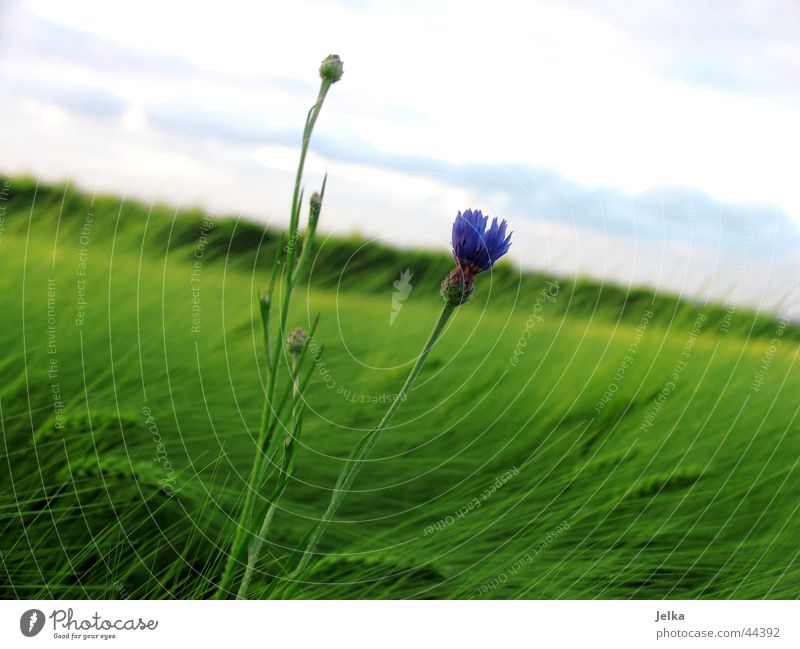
[
  {"x": 133, "y": 119},
  {"x": 491, "y": 82},
  {"x": 46, "y": 113}
]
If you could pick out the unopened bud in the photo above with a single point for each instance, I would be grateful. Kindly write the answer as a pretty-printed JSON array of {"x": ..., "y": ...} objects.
[
  {"x": 296, "y": 340},
  {"x": 332, "y": 68},
  {"x": 316, "y": 205}
]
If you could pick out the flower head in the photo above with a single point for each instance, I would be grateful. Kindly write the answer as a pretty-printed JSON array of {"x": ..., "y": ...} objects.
[
  {"x": 475, "y": 248},
  {"x": 331, "y": 68},
  {"x": 296, "y": 340}
]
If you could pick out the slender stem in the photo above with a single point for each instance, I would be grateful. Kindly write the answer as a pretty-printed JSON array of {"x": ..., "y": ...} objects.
[
  {"x": 243, "y": 529},
  {"x": 362, "y": 450},
  {"x": 283, "y": 481},
  {"x": 313, "y": 219}
]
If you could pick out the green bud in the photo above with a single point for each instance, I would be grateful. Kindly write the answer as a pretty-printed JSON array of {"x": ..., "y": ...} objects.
[
  {"x": 296, "y": 341},
  {"x": 316, "y": 206},
  {"x": 457, "y": 287},
  {"x": 331, "y": 68}
]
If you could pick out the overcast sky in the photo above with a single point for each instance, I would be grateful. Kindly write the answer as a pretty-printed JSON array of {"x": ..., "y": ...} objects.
[{"x": 650, "y": 142}]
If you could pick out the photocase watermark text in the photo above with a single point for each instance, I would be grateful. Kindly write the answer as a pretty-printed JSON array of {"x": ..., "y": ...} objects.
[
  {"x": 547, "y": 294},
  {"x": 168, "y": 481}
]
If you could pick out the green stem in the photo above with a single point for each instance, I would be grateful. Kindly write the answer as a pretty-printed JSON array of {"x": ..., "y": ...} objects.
[
  {"x": 362, "y": 450},
  {"x": 244, "y": 519},
  {"x": 264, "y": 437},
  {"x": 283, "y": 481}
]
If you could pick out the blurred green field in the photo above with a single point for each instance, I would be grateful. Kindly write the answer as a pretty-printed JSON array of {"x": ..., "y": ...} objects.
[{"x": 128, "y": 422}]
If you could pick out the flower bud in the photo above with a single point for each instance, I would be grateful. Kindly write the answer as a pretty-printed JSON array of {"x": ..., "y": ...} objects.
[
  {"x": 264, "y": 304},
  {"x": 457, "y": 287},
  {"x": 332, "y": 68},
  {"x": 316, "y": 207},
  {"x": 296, "y": 341}
]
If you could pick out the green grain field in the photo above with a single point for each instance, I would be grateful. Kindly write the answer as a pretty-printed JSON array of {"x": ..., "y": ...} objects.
[{"x": 565, "y": 440}]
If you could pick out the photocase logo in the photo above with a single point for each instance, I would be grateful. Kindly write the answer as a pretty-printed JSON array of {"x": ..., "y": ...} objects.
[
  {"x": 31, "y": 622},
  {"x": 402, "y": 289}
]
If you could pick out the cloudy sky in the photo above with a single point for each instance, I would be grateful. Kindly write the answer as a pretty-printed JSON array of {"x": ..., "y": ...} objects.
[{"x": 643, "y": 143}]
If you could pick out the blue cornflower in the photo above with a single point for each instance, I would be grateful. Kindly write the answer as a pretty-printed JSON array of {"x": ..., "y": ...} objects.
[{"x": 475, "y": 250}]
